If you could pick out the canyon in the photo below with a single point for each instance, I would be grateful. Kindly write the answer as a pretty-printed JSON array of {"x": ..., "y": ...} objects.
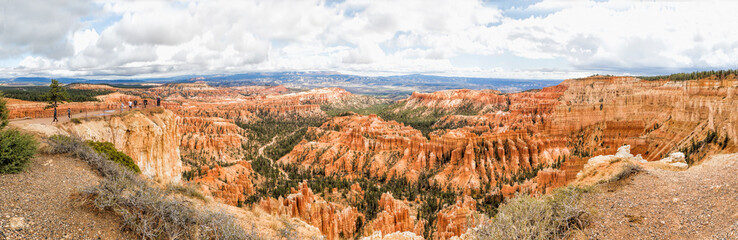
[{"x": 429, "y": 165}]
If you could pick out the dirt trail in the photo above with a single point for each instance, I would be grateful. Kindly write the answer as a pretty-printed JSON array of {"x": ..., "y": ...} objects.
[
  {"x": 261, "y": 149},
  {"x": 699, "y": 203},
  {"x": 274, "y": 140},
  {"x": 44, "y": 126},
  {"x": 41, "y": 196},
  {"x": 62, "y": 117}
]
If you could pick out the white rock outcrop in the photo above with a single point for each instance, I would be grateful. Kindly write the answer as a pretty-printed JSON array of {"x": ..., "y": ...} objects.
[
  {"x": 623, "y": 153},
  {"x": 676, "y": 159}
]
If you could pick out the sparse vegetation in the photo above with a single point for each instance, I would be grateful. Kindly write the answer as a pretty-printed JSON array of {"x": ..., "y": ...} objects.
[
  {"x": 16, "y": 150},
  {"x": 693, "y": 151},
  {"x": 550, "y": 216},
  {"x": 146, "y": 210}
]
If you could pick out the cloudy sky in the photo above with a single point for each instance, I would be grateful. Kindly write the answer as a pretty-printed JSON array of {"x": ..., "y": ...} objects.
[{"x": 549, "y": 39}]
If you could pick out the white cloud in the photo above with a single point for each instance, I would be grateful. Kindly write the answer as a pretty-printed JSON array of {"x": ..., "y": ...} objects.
[
  {"x": 39, "y": 27},
  {"x": 158, "y": 38}
]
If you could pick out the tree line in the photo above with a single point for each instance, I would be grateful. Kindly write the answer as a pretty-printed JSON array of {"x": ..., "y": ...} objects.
[{"x": 720, "y": 75}]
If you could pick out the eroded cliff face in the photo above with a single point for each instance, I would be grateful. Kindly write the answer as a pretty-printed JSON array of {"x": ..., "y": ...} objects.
[
  {"x": 654, "y": 117},
  {"x": 151, "y": 138}
]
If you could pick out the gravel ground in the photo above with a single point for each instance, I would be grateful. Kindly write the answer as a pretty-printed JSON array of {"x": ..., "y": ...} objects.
[
  {"x": 39, "y": 200},
  {"x": 699, "y": 203}
]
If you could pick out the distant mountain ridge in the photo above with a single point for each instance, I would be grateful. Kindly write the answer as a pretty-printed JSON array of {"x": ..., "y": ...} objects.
[{"x": 372, "y": 85}]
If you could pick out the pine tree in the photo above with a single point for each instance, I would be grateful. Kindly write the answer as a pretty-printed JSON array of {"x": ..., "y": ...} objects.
[{"x": 56, "y": 95}]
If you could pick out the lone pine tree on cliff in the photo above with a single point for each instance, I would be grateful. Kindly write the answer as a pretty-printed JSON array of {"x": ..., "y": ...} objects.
[{"x": 56, "y": 95}]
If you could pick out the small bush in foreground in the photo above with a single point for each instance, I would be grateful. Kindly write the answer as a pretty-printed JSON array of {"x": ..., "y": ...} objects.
[
  {"x": 16, "y": 150},
  {"x": 528, "y": 217},
  {"x": 146, "y": 210},
  {"x": 114, "y": 155}
]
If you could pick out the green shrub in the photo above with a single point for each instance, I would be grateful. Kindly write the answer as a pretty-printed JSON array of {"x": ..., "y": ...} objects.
[
  {"x": 16, "y": 150},
  {"x": 108, "y": 149},
  {"x": 76, "y": 120},
  {"x": 529, "y": 217}
]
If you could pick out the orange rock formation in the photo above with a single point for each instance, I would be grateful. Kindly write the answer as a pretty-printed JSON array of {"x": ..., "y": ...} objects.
[
  {"x": 333, "y": 220},
  {"x": 396, "y": 216},
  {"x": 230, "y": 184},
  {"x": 455, "y": 219}
]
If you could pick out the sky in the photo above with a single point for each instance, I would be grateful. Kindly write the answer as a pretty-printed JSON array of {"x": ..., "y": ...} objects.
[{"x": 529, "y": 39}]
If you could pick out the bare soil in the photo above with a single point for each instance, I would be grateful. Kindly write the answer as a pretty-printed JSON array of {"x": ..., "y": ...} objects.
[
  {"x": 698, "y": 203},
  {"x": 41, "y": 195}
]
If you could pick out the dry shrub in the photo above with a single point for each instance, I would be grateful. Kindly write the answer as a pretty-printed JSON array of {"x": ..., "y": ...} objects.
[{"x": 551, "y": 216}]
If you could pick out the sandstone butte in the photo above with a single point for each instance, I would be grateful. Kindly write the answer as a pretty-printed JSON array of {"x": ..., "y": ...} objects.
[{"x": 508, "y": 134}]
